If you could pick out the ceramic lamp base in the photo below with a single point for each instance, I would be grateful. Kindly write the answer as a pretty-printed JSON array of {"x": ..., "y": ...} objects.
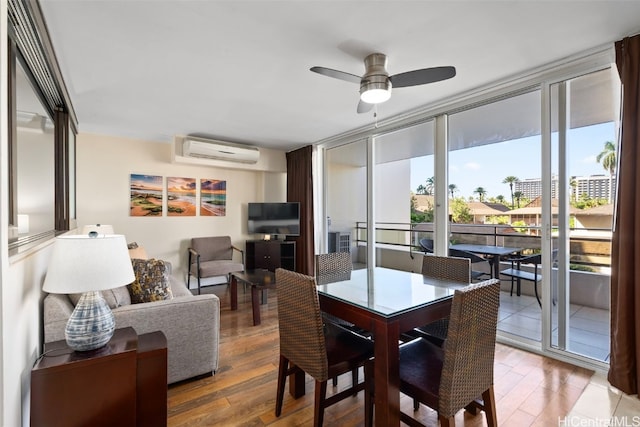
[{"x": 91, "y": 324}]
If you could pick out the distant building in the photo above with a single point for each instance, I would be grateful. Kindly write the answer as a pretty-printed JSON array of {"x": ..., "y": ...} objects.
[{"x": 593, "y": 186}]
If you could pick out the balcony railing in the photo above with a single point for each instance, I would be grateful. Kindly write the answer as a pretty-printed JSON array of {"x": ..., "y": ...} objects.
[{"x": 590, "y": 249}]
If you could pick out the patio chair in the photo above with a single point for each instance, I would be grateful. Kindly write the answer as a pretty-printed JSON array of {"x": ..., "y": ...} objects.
[
  {"x": 453, "y": 377},
  {"x": 322, "y": 350},
  {"x": 475, "y": 259},
  {"x": 212, "y": 256},
  {"x": 517, "y": 274},
  {"x": 427, "y": 245}
]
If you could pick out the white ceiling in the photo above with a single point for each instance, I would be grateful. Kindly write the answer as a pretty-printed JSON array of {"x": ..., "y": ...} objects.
[{"x": 239, "y": 70}]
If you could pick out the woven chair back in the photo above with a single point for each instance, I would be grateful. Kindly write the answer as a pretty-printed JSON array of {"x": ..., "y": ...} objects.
[
  {"x": 469, "y": 350},
  {"x": 447, "y": 268},
  {"x": 333, "y": 267},
  {"x": 300, "y": 323}
]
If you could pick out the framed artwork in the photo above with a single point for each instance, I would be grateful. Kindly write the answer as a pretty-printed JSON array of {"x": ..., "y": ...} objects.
[
  {"x": 213, "y": 197},
  {"x": 146, "y": 195},
  {"x": 181, "y": 196}
]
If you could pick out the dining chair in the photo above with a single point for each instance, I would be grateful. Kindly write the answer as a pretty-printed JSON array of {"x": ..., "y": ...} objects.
[
  {"x": 444, "y": 268},
  {"x": 455, "y": 376},
  {"x": 335, "y": 267},
  {"x": 475, "y": 259},
  {"x": 517, "y": 274},
  {"x": 322, "y": 350}
]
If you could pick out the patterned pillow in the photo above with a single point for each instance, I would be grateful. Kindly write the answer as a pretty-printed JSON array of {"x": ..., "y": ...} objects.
[{"x": 152, "y": 281}]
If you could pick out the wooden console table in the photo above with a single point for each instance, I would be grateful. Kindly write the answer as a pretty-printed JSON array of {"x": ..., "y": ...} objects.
[{"x": 123, "y": 383}]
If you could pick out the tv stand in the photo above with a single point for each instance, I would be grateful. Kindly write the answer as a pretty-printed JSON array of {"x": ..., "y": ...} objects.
[{"x": 270, "y": 254}]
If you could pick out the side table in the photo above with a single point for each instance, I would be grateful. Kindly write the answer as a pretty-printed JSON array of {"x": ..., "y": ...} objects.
[
  {"x": 260, "y": 280},
  {"x": 102, "y": 387}
]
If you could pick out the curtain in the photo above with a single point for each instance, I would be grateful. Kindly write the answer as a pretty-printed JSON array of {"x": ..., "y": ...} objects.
[
  {"x": 625, "y": 250},
  {"x": 300, "y": 189}
]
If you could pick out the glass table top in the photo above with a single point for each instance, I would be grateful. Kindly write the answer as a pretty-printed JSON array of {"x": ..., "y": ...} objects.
[{"x": 389, "y": 292}]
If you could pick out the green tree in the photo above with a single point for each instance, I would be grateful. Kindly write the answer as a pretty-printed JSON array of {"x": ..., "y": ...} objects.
[
  {"x": 607, "y": 158},
  {"x": 460, "y": 212},
  {"x": 511, "y": 180},
  {"x": 421, "y": 189},
  {"x": 500, "y": 198},
  {"x": 519, "y": 195},
  {"x": 452, "y": 189},
  {"x": 481, "y": 192},
  {"x": 431, "y": 182}
]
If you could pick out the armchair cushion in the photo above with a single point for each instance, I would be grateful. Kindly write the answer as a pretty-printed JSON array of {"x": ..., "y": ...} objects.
[{"x": 152, "y": 281}]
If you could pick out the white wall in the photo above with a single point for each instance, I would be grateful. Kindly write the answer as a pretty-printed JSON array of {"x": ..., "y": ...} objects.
[{"x": 104, "y": 166}]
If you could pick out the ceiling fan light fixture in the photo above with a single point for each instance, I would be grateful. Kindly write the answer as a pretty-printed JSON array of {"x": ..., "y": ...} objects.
[{"x": 375, "y": 92}]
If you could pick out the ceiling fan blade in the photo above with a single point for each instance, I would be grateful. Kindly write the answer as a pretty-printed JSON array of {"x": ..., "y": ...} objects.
[
  {"x": 341, "y": 75},
  {"x": 364, "y": 107},
  {"x": 423, "y": 76}
]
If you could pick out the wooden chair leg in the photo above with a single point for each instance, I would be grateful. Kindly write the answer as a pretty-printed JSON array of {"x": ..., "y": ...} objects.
[
  {"x": 318, "y": 409},
  {"x": 490, "y": 407},
  {"x": 446, "y": 421},
  {"x": 335, "y": 381},
  {"x": 416, "y": 404},
  {"x": 282, "y": 377},
  {"x": 354, "y": 380}
]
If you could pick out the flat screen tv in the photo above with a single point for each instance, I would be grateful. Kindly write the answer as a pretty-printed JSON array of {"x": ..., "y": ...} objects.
[{"x": 274, "y": 218}]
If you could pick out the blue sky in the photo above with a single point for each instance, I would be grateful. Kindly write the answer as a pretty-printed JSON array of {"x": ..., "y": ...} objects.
[{"x": 487, "y": 166}]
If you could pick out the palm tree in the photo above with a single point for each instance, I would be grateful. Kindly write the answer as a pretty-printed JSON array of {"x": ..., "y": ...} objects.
[
  {"x": 421, "y": 189},
  {"x": 452, "y": 189},
  {"x": 431, "y": 182},
  {"x": 481, "y": 193},
  {"x": 518, "y": 195},
  {"x": 500, "y": 198},
  {"x": 573, "y": 184},
  {"x": 607, "y": 158},
  {"x": 511, "y": 180}
]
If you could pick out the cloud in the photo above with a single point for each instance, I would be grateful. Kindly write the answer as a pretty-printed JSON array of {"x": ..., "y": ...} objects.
[{"x": 473, "y": 166}]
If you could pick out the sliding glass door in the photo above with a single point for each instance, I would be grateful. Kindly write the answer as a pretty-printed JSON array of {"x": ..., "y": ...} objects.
[{"x": 584, "y": 115}]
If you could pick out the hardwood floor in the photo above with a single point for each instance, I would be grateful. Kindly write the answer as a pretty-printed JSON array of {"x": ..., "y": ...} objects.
[{"x": 531, "y": 390}]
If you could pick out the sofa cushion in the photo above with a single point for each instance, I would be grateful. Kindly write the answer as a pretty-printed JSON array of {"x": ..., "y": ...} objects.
[
  {"x": 152, "y": 281},
  {"x": 136, "y": 251},
  {"x": 115, "y": 298}
]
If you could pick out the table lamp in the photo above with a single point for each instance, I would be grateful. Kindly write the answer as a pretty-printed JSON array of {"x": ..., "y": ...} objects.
[
  {"x": 98, "y": 228},
  {"x": 89, "y": 264}
]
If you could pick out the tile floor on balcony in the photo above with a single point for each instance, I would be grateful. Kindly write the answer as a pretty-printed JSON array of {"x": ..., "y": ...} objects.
[{"x": 588, "y": 327}]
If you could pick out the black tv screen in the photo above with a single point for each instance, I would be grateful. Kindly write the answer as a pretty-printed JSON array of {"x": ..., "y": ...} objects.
[{"x": 274, "y": 218}]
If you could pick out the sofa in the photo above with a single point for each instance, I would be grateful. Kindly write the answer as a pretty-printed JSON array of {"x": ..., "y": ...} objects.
[{"x": 190, "y": 323}]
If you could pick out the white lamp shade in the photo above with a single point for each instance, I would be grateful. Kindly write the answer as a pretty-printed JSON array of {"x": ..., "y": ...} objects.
[
  {"x": 98, "y": 228},
  {"x": 80, "y": 263}
]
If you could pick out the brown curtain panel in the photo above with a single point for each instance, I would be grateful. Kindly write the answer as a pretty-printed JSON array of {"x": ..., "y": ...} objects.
[
  {"x": 300, "y": 189},
  {"x": 625, "y": 250}
]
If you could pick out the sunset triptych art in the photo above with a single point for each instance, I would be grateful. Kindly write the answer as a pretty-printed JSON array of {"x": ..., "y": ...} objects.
[{"x": 148, "y": 198}]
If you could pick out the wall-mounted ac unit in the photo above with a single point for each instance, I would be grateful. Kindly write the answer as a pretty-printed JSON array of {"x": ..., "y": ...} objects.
[{"x": 218, "y": 150}]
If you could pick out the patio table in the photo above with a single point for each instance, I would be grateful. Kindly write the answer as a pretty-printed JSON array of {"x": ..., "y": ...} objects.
[{"x": 494, "y": 253}]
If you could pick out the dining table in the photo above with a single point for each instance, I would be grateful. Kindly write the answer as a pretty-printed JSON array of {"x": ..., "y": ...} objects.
[
  {"x": 387, "y": 303},
  {"x": 493, "y": 252}
]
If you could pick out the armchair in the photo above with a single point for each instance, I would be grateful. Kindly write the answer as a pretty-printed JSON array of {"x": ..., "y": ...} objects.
[{"x": 212, "y": 256}]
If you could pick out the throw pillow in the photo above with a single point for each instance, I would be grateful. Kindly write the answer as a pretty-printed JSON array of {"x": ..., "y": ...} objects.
[{"x": 152, "y": 281}]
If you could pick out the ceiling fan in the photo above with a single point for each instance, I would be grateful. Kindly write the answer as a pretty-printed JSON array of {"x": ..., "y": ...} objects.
[{"x": 376, "y": 83}]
